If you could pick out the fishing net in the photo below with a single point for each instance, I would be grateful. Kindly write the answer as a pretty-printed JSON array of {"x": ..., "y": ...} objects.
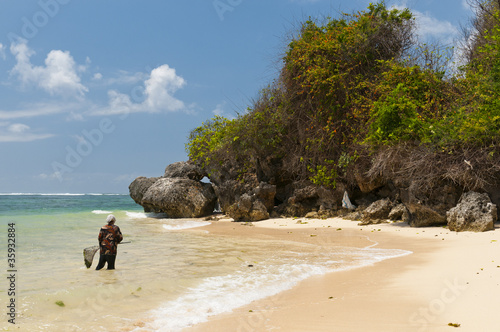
[{"x": 88, "y": 255}]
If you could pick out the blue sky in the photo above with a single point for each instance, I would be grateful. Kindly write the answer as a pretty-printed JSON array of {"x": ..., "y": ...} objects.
[{"x": 95, "y": 93}]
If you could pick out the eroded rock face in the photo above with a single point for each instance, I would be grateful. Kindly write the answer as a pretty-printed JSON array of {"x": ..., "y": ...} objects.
[
  {"x": 378, "y": 210},
  {"x": 184, "y": 170},
  {"x": 474, "y": 212},
  {"x": 254, "y": 205},
  {"x": 179, "y": 193},
  {"x": 428, "y": 206},
  {"x": 399, "y": 212},
  {"x": 180, "y": 198},
  {"x": 306, "y": 198},
  {"x": 138, "y": 188}
]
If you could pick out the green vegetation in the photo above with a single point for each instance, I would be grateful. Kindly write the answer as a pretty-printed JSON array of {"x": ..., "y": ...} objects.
[
  {"x": 60, "y": 303},
  {"x": 360, "y": 88}
]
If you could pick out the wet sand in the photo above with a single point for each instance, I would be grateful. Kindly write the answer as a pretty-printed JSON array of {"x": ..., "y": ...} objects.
[{"x": 449, "y": 278}]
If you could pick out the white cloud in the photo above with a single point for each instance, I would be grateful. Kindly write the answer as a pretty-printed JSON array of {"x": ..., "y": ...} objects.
[
  {"x": 157, "y": 95},
  {"x": 58, "y": 76},
  {"x": 19, "y": 132},
  {"x": 36, "y": 110},
  {"x": 97, "y": 76},
  {"x": 161, "y": 86},
  {"x": 219, "y": 110},
  {"x": 18, "y": 128},
  {"x": 430, "y": 28},
  {"x": 125, "y": 77}
]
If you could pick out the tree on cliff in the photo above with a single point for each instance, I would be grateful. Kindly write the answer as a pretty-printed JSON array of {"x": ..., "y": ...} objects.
[{"x": 360, "y": 90}]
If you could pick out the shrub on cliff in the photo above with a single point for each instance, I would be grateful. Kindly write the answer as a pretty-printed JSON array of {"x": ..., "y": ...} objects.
[{"x": 356, "y": 89}]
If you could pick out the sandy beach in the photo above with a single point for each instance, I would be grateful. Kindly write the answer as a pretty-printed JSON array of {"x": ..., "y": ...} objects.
[{"x": 449, "y": 278}]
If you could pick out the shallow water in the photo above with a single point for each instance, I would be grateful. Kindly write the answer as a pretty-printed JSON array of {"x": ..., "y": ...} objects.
[{"x": 172, "y": 275}]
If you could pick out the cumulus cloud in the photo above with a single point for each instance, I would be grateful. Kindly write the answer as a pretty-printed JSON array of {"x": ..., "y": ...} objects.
[
  {"x": 155, "y": 95},
  {"x": 19, "y": 132},
  {"x": 59, "y": 75},
  {"x": 431, "y": 28},
  {"x": 161, "y": 86}
]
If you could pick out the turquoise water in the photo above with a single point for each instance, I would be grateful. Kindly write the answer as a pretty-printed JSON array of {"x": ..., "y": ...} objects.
[{"x": 172, "y": 275}]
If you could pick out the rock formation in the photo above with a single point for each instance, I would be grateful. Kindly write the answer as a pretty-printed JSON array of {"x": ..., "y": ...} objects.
[
  {"x": 180, "y": 198},
  {"x": 179, "y": 193},
  {"x": 474, "y": 212}
]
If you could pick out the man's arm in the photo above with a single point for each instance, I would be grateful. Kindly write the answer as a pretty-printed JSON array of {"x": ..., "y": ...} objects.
[{"x": 119, "y": 236}]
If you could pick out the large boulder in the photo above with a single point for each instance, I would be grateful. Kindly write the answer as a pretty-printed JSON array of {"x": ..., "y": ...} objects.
[
  {"x": 253, "y": 205},
  {"x": 183, "y": 169},
  {"x": 378, "y": 210},
  {"x": 180, "y": 198},
  {"x": 474, "y": 212},
  {"x": 428, "y": 205},
  {"x": 139, "y": 186},
  {"x": 399, "y": 212}
]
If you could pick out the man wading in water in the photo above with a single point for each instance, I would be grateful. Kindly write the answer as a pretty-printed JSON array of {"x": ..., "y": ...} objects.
[{"x": 109, "y": 237}]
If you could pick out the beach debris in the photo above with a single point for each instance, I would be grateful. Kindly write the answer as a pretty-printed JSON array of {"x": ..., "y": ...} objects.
[
  {"x": 346, "y": 202},
  {"x": 313, "y": 235},
  {"x": 60, "y": 303},
  {"x": 454, "y": 324}
]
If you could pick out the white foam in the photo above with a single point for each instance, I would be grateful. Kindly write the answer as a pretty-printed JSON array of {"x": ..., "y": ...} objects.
[
  {"x": 101, "y": 212},
  {"x": 144, "y": 215},
  {"x": 185, "y": 224},
  {"x": 216, "y": 295}
]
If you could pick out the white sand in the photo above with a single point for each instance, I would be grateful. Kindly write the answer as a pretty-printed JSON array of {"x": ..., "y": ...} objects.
[{"x": 450, "y": 278}]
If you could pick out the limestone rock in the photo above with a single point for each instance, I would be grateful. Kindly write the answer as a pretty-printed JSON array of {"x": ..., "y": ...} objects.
[
  {"x": 378, "y": 210},
  {"x": 253, "y": 205},
  {"x": 428, "y": 206},
  {"x": 180, "y": 198},
  {"x": 306, "y": 198},
  {"x": 139, "y": 186},
  {"x": 474, "y": 212},
  {"x": 367, "y": 184},
  {"x": 399, "y": 212},
  {"x": 185, "y": 170},
  {"x": 424, "y": 216}
]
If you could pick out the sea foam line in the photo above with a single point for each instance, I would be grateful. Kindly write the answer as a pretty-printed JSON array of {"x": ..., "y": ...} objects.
[
  {"x": 185, "y": 224},
  {"x": 101, "y": 212},
  {"x": 222, "y": 294}
]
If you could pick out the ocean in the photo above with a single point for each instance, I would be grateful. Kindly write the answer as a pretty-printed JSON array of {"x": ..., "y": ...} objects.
[{"x": 173, "y": 274}]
